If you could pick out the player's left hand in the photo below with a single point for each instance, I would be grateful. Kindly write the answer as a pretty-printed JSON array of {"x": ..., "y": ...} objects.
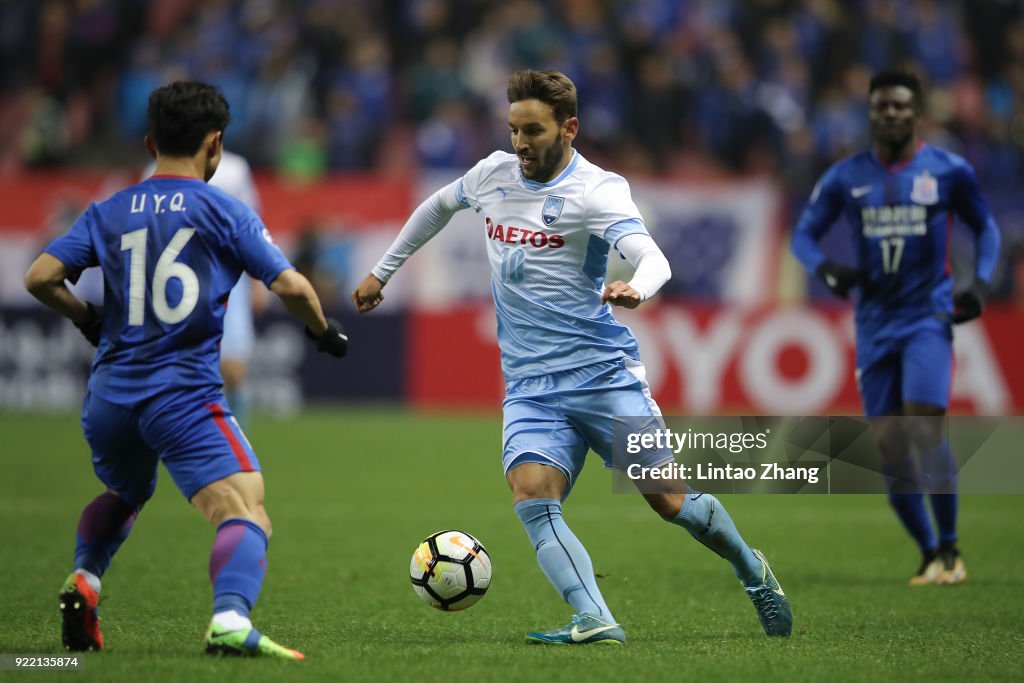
[
  {"x": 968, "y": 304},
  {"x": 619, "y": 293},
  {"x": 333, "y": 341},
  {"x": 93, "y": 325}
]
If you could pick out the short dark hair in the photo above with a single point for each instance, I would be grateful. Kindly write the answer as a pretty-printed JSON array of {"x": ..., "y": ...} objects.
[
  {"x": 553, "y": 88},
  {"x": 897, "y": 77},
  {"x": 181, "y": 115}
]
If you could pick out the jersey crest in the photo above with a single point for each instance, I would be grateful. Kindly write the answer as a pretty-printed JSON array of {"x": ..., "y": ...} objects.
[
  {"x": 926, "y": 189},
  {"x": 552, "y": 209}
]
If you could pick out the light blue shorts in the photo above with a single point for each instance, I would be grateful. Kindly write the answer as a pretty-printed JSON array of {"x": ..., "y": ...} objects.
[
  {"x": 239, "y": 333},
  {"x": 555, "y": 419}
]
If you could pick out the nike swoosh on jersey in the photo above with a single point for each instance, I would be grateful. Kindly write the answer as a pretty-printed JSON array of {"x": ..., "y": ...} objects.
[
  {"x": 577, "y": 635},
  {"x": 860, "y": 191}
]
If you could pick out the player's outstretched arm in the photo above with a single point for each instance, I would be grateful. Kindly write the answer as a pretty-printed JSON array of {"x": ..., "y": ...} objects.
[
  {"x": 299, "y": 299},
  {"x": 426, "y": 221},
  {"x": 45, "y": 281},
  {"x": 368, "y": 294}
]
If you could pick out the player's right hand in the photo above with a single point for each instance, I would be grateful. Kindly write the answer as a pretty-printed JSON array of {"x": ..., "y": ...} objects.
[
  {"x": 367, "y": 295},
  {"x": 93, "y": 326},
  {"x": 839, "y": 279},
  {"x": 333, "y": 341}
]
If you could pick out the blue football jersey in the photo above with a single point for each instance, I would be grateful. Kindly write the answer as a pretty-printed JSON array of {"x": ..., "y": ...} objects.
[
  {"x": 902, "y": 217},
  {"x": 171, "y": 249}
]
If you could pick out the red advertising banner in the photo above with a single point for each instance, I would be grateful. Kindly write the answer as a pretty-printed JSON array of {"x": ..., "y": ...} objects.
[
  {"x": 713, "y": 360},
  {"x": 50, "y": 201}
]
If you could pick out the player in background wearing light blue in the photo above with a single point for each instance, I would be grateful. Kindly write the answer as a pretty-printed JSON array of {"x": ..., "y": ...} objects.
[
  {"x": 234, "y": 176},
  {"x": 549, "y": 218},
  {"x": 171, "y": 248},
  {"x": 901, "y": 196}
]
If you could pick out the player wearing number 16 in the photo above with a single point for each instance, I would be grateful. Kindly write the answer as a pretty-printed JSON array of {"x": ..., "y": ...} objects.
[
  {"x": 901, "y": 196},
  {"x": 171, "y": 248}
]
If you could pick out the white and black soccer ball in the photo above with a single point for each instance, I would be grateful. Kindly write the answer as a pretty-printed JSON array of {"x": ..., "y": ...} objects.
[{"x": 450, "y": 570}]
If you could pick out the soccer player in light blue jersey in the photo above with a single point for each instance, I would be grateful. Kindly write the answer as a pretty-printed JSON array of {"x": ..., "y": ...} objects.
[
  {"x": 171, "y": 248},
  {"x": 549, "y": 218},
  {"x": 901, "y": 196}
]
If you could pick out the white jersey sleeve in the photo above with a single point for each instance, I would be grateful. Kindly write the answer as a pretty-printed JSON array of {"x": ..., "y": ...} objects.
[
  {"x": 652, "y": 268},
  {"x": 611, "y": 213},
  {"x": 426, "y": 221}
]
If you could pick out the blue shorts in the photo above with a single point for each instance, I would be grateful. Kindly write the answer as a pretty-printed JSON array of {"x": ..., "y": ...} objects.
[
  {"x": 192, "y": 433},
  {"x": 555, "y": 419},
  {"x": 915, "y": 367},
  {"x": 239, "y": 332}
]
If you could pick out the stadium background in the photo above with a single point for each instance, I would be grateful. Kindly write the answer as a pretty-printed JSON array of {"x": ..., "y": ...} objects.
[{"x": 721, "y": 114}]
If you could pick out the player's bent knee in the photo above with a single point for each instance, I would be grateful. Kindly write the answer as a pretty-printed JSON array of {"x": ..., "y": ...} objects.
[
  {"x": 533, "y": 491},
  {"x": 263, "y": 519},
  {"x": 135, "y": 498},
  {"x": 667, "y": 505},
  {"x": 531, "y": 480},
  {"x": 220, "y": 501}
]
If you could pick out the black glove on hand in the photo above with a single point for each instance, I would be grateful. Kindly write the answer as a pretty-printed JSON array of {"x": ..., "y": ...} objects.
[
  {"x": 968, "y": 304},
  {"x": 839, "y": 279},
  {"x": 93, "y": 325},
  {"x": 333, "y": 341}
]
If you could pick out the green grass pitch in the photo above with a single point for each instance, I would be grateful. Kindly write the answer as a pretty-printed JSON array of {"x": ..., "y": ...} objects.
[{"x": 351, "y": 493}]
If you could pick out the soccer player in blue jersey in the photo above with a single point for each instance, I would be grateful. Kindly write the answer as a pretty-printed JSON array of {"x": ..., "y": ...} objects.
[
  {"x": 901, "y": 196},
  {"x": 234, "y": 176},
  {"x": 171, "y": 248},
  {"x": 549, "y": 218}
]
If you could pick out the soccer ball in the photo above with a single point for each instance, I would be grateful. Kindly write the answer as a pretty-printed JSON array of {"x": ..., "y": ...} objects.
[{"x": 450, "y": 570}]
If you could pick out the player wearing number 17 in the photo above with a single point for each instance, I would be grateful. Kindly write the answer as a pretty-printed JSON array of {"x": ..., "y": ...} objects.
[
  {"x": 171, "y": 248},
  {"x": 901, "y": 196}
]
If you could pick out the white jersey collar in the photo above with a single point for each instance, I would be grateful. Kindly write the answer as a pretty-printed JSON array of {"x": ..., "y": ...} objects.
[{"x": 534, "y": 185}]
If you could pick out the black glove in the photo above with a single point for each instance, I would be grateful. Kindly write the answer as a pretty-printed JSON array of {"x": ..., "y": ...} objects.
[
  {"x": 968, "y": 304},
  {"x": 93, "y": 325},
  {"x": 839, "y": 279},
  {"x": 333, "y": 341}
]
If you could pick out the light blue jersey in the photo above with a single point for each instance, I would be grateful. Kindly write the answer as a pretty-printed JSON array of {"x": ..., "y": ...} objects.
[{"x": 548, "y": 246}]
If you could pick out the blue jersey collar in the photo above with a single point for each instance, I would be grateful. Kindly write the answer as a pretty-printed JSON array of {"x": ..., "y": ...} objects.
[
  {"x": 900, "y": 165},
  {"x": 534, "y": 185}
]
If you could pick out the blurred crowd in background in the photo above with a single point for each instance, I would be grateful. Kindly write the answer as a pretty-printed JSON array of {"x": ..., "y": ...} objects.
[{"x": 665, "y": 86}]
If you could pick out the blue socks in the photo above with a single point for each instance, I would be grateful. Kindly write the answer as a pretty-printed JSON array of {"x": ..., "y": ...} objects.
[
  {"x": 104, "y": 525},
  {"x": 910, "y": 509},
  {"x": 939, "y": 479},
  {"x": 941, "y": 472},
  {"x": 561, "y": 556},
  {"x": 238, "y": 563},
  {"x": 705, "y": 518}
]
